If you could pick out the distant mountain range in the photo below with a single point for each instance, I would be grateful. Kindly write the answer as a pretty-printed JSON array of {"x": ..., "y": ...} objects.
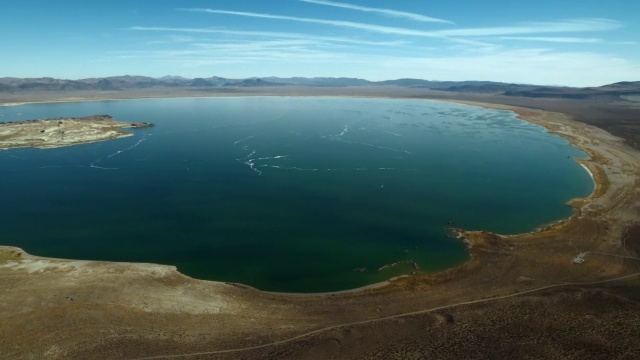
[{"x": 617, "y": 90}]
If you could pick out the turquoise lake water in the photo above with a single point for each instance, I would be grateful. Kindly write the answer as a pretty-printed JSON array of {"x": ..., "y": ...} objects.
[{"x": 285, "y": 194}]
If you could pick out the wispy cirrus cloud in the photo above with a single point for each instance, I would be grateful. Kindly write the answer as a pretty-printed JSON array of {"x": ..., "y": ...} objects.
[
  {"x": 575, "y": 40},
  {"x": 458, "y": 35},
  {"x": 268, "y": 34},
  {"x": 348, "y": 24},
  {"x": 258, "y": 52},
  {"x": 564, "y": 26},
  {"x": 472, "y": 53},
  {"x": 241, "y": 50},
  {"x": 388, "y": 12},
  {"x": 339, "y": 23}
]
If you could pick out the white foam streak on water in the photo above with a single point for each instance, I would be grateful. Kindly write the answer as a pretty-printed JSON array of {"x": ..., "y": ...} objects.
[
  {"x": 272, "y": 157},
  {"x": 244, "y": 139},
  {"x": 102, "y": 168},
  {"x": 378, "y": 147},
  {"x": 410, "y": 169},
  {"x": 334, "y": 169},
  {"x": 252, "y": 166},
  {"x": 127, "y": 149},
  {"x": 93, "y": 164},
  {"x": 247, "y": 160},
  {"x": 251, "y": 162},
  {"x": 345, "y": 129}
]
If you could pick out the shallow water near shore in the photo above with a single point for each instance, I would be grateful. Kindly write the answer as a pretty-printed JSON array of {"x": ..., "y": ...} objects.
[{"x": 286, "y": 194}]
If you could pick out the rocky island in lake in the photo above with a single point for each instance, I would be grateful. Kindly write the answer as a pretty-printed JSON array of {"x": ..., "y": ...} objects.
[{"x": 58, "y": 132}]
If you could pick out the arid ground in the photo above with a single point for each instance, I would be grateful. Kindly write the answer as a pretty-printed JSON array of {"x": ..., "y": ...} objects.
[{"x": 570, "y": 291}]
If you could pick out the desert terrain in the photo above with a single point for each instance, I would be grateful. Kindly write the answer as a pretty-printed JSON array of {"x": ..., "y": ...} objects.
[{"x": 570, "y": 290}]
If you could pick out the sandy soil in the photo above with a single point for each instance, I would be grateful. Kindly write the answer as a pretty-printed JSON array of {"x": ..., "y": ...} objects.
[{"x": 518, "y": 297}]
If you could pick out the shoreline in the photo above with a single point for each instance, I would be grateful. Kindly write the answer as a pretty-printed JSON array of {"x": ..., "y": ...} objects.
[
  {"x": 595, "y": 184},
  {"x": 465, "y": 235},
  {"x": 529, "y": 115}
]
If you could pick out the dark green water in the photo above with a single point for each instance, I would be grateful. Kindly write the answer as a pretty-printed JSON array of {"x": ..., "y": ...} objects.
[{"x": 285, "y": 194}]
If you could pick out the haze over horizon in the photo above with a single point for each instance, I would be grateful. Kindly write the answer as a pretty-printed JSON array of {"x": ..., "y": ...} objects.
[{"x": 542, "y": 42}]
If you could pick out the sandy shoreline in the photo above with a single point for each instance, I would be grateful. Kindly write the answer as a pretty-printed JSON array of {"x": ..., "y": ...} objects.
[{"x": 153, "y": 310}]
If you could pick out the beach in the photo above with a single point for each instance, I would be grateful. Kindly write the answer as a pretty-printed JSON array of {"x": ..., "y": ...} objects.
[{"x": 146, "y": 310}]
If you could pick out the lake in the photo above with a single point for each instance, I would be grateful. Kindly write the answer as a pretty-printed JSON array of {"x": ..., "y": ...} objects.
[{"x": 282, "y": 193}]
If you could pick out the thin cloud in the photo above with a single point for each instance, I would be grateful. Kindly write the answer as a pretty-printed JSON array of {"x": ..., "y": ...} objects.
[
  {"x": 567, "y": 26},
  {"x": 253, "y": 52},
  {"x": 268, "y": 34},
  {"x": 389, "y": 12},
  {"x": 255, "y": 45},
  {"x": 457, "y": 35},
  {"x": 553, "y": 39},
  {"x": 348, "y": 24}
]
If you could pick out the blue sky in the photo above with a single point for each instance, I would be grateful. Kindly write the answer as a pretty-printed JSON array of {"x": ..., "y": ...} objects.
[{"x": 552, "y": 42}]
